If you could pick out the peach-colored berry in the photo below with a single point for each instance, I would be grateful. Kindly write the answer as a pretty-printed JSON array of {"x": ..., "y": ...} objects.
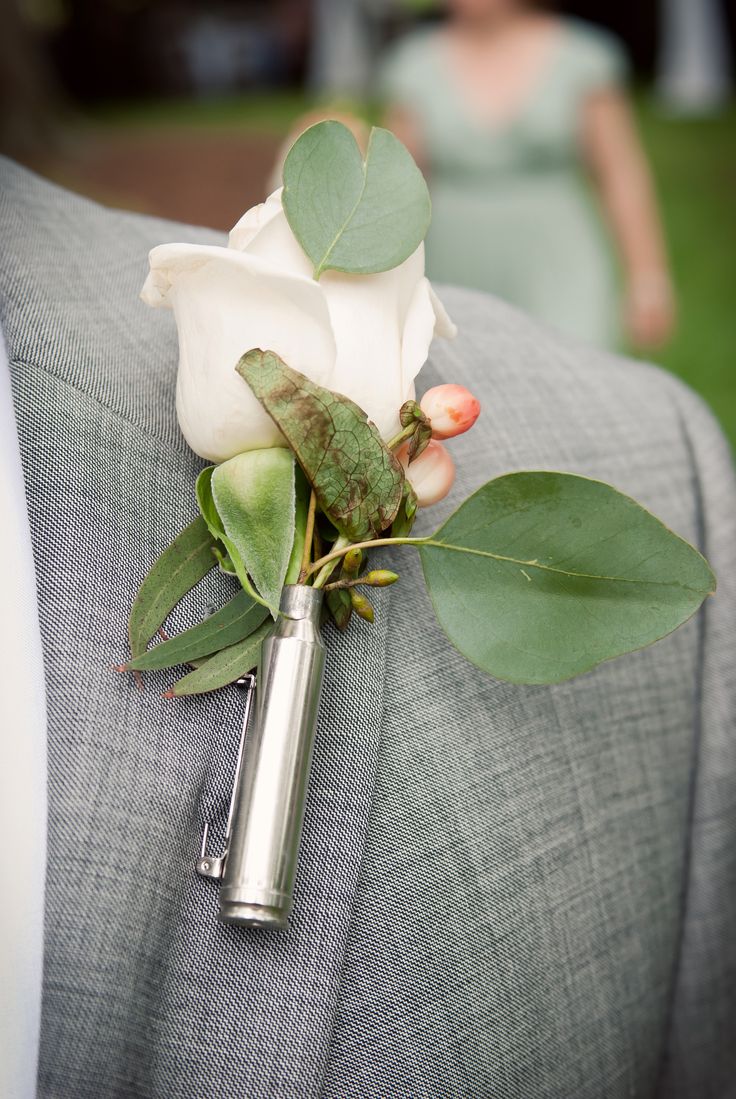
[
  {"x": 431, "y": 474},
  {"x": 452, "y": 410}
]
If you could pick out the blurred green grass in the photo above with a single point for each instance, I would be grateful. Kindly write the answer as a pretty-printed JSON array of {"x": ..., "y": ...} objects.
[{"x": 694, "y": 162}]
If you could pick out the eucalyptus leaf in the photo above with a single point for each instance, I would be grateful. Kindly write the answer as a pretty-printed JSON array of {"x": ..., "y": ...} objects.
[
  {"x": 232, "y": 623},
  {"x": 350, "y": 214},
  {"x": 540, "y": 576},
  {"x": 172, "y": 575},
  {"x": 223, "y": 668},
  {"x": 255, "y": 500},
  {"x": 357, "y": 480}
]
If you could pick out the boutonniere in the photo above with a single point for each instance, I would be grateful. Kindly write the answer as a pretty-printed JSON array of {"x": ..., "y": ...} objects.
[{"x": 299, "y": 345}]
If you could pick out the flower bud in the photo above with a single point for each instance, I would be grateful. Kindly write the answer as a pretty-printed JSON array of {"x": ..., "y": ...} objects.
[
  {"x": 380, "y": 578},
  {"x": 351, "y": 562},
  {"x": 361, "y": 606},
  {"x": 431, "y": 474},
  {"x": 410, "y": 413},
  {"x": 452, "y": 410}
]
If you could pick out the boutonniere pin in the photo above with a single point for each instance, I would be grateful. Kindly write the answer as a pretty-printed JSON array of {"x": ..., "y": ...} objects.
[{"x": 299, "y": 345}]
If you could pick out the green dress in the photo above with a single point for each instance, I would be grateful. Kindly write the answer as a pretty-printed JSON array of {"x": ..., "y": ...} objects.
[{"x": 511, "y": 211}]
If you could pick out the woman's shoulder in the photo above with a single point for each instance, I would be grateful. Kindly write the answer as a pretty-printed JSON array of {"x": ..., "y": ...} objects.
[
  {"x": 596, "y": 55},
  {"x": 414, "y": 46},
  {"x": 404, "y": 63}
]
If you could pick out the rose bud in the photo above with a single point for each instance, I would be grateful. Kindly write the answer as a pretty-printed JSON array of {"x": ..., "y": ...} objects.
[
  {"x": 431, "y": 474},
  {"x": 452, "y": 409}
]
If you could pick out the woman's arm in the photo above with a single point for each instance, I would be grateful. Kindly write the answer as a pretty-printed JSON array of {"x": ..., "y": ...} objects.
[
  {"x": 405, "y": 125},
  {"x": 613, "y": 151}
]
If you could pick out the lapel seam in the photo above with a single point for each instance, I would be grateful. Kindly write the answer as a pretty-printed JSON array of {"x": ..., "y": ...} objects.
[{"x": 179, "y": 446}]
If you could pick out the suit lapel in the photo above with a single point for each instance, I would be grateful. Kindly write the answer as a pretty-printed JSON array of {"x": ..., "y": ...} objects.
[{"x": 134, "y": 948}]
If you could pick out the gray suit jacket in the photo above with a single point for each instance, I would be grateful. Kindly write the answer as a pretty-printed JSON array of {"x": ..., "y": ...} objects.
[{"x": 503, "y": 891}]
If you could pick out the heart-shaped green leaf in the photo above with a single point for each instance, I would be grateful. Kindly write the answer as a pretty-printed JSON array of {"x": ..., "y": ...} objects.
[
  {"x": 357, "y": 480},
  {"x": 232, "y": 623},
  {"x": 172, "y": 575},
  {"x": 254, "y": 497},
  {"x": 350, "y": 214},
  {"x": 538, "y": 577}
]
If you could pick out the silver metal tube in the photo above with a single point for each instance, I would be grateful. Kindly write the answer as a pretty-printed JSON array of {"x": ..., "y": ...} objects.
[{"x": 270, "y": 795}]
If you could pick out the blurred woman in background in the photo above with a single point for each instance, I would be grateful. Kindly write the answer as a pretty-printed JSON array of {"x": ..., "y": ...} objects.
[{"x": 505, "y": 106}]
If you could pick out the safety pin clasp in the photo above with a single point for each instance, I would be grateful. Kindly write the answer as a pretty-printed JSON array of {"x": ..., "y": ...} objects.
[
  {"x": 213, "y": 866},
  {"x": 209, "y": 866}
]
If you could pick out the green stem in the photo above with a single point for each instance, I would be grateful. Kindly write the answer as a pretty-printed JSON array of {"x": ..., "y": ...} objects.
[
  {"x": 308, "y": 535},
  {"x": 338, "y": 585},
  {"x": 403, "y": 435},
  {"x": 342, "y": 546},
  {"x": 326, "y": 564}
]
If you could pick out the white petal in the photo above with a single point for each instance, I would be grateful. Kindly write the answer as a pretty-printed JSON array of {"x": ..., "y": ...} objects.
[
  {"x": 155, "y": 288},
  {"x": 444, "y": 325},
  {"x": 253, "y": 221},
  {"x": 418, "y": 332},
  {"x": 366, "y": 320},
  {"x": 265, "y": 232},
  {"x": 227, "y": 302},
  {"x": 383, "y": 327}
]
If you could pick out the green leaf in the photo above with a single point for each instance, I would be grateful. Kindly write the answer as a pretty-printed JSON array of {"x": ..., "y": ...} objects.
[
  {"x": 404, "y": 521},
  {"x": 254, "y": 497},
  {"x": 349, "y": 214},
  {"x": 357, "y": 480},
  {"x": 223, "y": 668},
  {"x": 173, "y": 574},
  {"x": 538, "y": 577},
  {"x": 203, "y": 489},
  {"x": 224, "y": 549},
  {"x": 232, "y": 623},
  {"x": 340, "y": 606}
]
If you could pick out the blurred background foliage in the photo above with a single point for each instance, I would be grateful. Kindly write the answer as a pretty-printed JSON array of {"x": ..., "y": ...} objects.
[{"x": 179, "y": 108}]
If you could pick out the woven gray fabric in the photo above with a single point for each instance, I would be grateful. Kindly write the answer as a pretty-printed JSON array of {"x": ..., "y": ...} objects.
[{"x": 503, "y": 891}]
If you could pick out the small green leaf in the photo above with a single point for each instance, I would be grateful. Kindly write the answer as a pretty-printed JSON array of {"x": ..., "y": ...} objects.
[
  {"x": 224, "y": 549},
  {"x": 224, "y": 560},
  {"x": 203, "y": 489},
  {"x": 232, "y": 623},
  {"x": 173, "y": 574},
  {"x": 539, "y": 576},
  {"x": 357, "y": 480},
  {"x": 404, "y": 521},
  {"x": 419, "y": 441},
  {"x": 349, "y": 214},
  {"x": 223, "y": 668},
  {"x": 254, "y": 497},
  {"x": 340, "y": 606}
]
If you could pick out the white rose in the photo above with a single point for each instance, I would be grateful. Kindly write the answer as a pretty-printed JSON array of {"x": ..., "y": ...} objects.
[{"x": 366, "y": 336}]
